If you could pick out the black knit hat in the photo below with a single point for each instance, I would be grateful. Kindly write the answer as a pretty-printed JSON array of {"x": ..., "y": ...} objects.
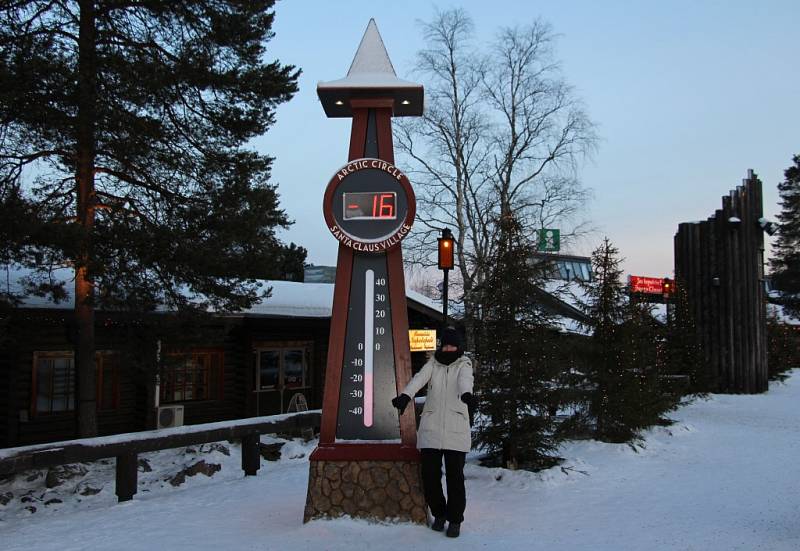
[{"x": 451, "y": 336}]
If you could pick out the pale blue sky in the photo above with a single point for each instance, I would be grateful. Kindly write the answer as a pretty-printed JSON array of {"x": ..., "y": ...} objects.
[{"x": 687, "y": 94}]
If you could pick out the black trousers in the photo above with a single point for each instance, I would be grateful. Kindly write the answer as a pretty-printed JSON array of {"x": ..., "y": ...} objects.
[{"x": 453, "y": 508}]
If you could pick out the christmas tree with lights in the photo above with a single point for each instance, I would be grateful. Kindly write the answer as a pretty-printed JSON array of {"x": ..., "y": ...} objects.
[
  {"x": 518, "y": 357},
  {"x": 625, "y": 394}
]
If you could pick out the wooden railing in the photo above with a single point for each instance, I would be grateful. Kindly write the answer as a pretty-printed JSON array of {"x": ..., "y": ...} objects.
[{"x": 127, "y": 447}]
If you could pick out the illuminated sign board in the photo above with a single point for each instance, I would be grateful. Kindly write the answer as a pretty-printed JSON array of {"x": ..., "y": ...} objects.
[
  {"x": 649, "y": 285},
  {"x": 369, "y": 206},
  {"x": 422, "y": 340}
]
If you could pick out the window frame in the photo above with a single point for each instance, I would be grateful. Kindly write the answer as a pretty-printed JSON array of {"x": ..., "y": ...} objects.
[
  {"x": 103, "y": 355},
  {"x": 99, "y": 375},
  {"x": 307, "y": 348},
  {"x": 192, "y": 353}
]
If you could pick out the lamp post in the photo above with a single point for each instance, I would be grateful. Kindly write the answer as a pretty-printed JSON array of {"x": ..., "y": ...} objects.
[
  {"x": 667, "y": 291},
  {"x": 446, "y": 256}
]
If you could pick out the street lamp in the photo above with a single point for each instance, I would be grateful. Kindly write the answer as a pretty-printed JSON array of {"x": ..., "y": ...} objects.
[
  {"x": 668, "y": 292},
  {"x": 446, "y": 263}
]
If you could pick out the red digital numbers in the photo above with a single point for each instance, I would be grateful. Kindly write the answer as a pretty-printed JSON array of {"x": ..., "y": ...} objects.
[
  {"x": 370, "y": 205},
  {"x": 383, "y": 205}
]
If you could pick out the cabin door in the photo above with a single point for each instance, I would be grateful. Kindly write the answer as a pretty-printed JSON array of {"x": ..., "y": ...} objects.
[{"x": 281, "y": 370}]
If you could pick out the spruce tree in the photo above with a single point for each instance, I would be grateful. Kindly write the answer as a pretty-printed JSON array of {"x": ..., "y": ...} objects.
[
  {"x": 123, "y": 132},
  {"x": 785, "y": 261},
  {"x": 681, "y": 359},
  {"x": 783, "y": 346},
  {"x": 626, "y": 394},
  {"x": 517, "y": 357},
  {"x": 645, "y": 400},
  {"x": 605, "y": 304}
]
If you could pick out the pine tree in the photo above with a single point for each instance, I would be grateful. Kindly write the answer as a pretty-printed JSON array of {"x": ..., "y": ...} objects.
[
  {"x": 645, "y": 401},
  {"x": 605, "y": 297},
  {"x": 783, "y": 346},
  {"x": 785, "y": 262},
  {"x": 517, "y": 357},
  {"x": 124, "y": 128},
  {"x": 681, "y": 358},
  {"x": 626, "y": 393}
]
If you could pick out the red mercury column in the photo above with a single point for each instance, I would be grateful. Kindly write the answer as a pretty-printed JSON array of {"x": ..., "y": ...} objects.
[{"x": 366, "y": 464}]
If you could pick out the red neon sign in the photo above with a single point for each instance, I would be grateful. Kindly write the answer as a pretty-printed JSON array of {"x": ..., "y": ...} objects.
[{"x": 649, "y": 285}]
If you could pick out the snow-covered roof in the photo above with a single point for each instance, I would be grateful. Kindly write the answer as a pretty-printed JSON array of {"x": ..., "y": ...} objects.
[
  {"x": 287, "y": 299},
  {"x": 571, "y": 292},
  {"x": 569, "y": 325},
  {"x": 311, "y": 300},
  {"x": 371, "y": 72},
  {"x": 293, "y": 299},
  {"x": 660, "y": 312},
  {"x": 778, "y": 311}
]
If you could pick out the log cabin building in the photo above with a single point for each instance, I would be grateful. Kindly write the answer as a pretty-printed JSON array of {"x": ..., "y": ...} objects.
[{"x": 226, "y": 367}]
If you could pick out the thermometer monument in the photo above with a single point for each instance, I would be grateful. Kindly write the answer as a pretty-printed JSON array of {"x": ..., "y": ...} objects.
[{"x": 366, "y": 464}]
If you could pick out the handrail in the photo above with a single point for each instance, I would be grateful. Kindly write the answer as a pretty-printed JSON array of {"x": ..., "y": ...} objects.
[{"x": 126, "y": 447}]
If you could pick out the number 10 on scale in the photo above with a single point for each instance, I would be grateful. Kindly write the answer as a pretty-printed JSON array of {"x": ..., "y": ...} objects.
[{"x": 374, "y": 329}]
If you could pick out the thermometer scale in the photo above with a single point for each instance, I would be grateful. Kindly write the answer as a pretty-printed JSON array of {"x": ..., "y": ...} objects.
[{"x": 368, "y": 370}]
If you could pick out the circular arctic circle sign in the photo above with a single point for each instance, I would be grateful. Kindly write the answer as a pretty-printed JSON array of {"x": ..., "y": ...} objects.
[{"x": 369, "y": 205}]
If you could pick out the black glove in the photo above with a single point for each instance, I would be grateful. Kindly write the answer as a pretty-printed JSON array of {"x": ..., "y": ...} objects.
[
  {"x": 400, "y": 402},
  {"x": 469, "y": 399}
]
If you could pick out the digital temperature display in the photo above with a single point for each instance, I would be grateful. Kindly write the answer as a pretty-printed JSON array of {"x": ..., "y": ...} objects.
[{"x": 371, "y": 205}]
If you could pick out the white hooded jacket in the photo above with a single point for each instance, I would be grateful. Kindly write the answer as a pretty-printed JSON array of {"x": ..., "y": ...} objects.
[{"x": 444, "y": 424}]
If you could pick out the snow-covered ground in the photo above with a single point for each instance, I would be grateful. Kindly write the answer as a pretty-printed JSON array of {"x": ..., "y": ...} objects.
[{"x": 726, "y": 476}]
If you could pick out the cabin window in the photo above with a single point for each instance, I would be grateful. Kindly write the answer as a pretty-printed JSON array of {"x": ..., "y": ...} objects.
[
  {"x": 54, "y": 381},
  {"x": 107, "y": 380},
  {"x": 282, "y": 366},
  {"x": 192, "y": 375}
]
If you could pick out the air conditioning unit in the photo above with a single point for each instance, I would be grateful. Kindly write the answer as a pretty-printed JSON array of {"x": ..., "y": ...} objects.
[{"x": 170, "y": 416}]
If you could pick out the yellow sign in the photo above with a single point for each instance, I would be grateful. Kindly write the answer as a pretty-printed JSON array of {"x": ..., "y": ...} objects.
[{"x": 422, "y": 339}]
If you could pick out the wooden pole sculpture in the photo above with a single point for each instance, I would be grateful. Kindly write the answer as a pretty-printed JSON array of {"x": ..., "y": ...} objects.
[
  {"x": 719, "y": 266},
  {"x": 366, "y": 464}
]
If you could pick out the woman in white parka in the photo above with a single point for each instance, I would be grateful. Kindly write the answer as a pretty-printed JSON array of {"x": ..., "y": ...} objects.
[{"x": 444, "y": 428}]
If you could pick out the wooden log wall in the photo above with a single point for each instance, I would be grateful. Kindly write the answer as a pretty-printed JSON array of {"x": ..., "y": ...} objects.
[
  {"x": 40, "y": 330},
  {"x": 719, "y": 265}
]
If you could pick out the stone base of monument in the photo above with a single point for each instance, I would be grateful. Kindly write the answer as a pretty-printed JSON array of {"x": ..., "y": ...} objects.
[{"x": 373, "y": 490}]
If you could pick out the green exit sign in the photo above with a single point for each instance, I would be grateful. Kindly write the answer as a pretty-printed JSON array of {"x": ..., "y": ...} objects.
[{"x": 549, "y": 240}]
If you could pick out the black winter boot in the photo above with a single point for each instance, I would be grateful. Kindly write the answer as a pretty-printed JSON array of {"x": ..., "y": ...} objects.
[
  {"x": 438, "y": 524},
  {"x": 453, "y": 529}
]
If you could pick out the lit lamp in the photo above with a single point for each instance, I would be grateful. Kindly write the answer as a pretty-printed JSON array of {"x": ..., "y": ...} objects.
[
  {"x": 446, "y": 263},
  {"x": 667, "y": 288},
  {"x": 668, "y": 292}
]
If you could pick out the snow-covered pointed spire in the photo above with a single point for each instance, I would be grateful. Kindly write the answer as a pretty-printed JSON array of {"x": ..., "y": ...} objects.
[
  {"x": 372, "y": 75},
  {"x": 371, "y": 56}
]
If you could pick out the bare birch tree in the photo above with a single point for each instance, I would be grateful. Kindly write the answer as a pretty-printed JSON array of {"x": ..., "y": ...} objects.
[
  {"x": 450, "y": 153},
  {"x": 502, "y": 133},
  {"x": 542, "y": 131}
]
